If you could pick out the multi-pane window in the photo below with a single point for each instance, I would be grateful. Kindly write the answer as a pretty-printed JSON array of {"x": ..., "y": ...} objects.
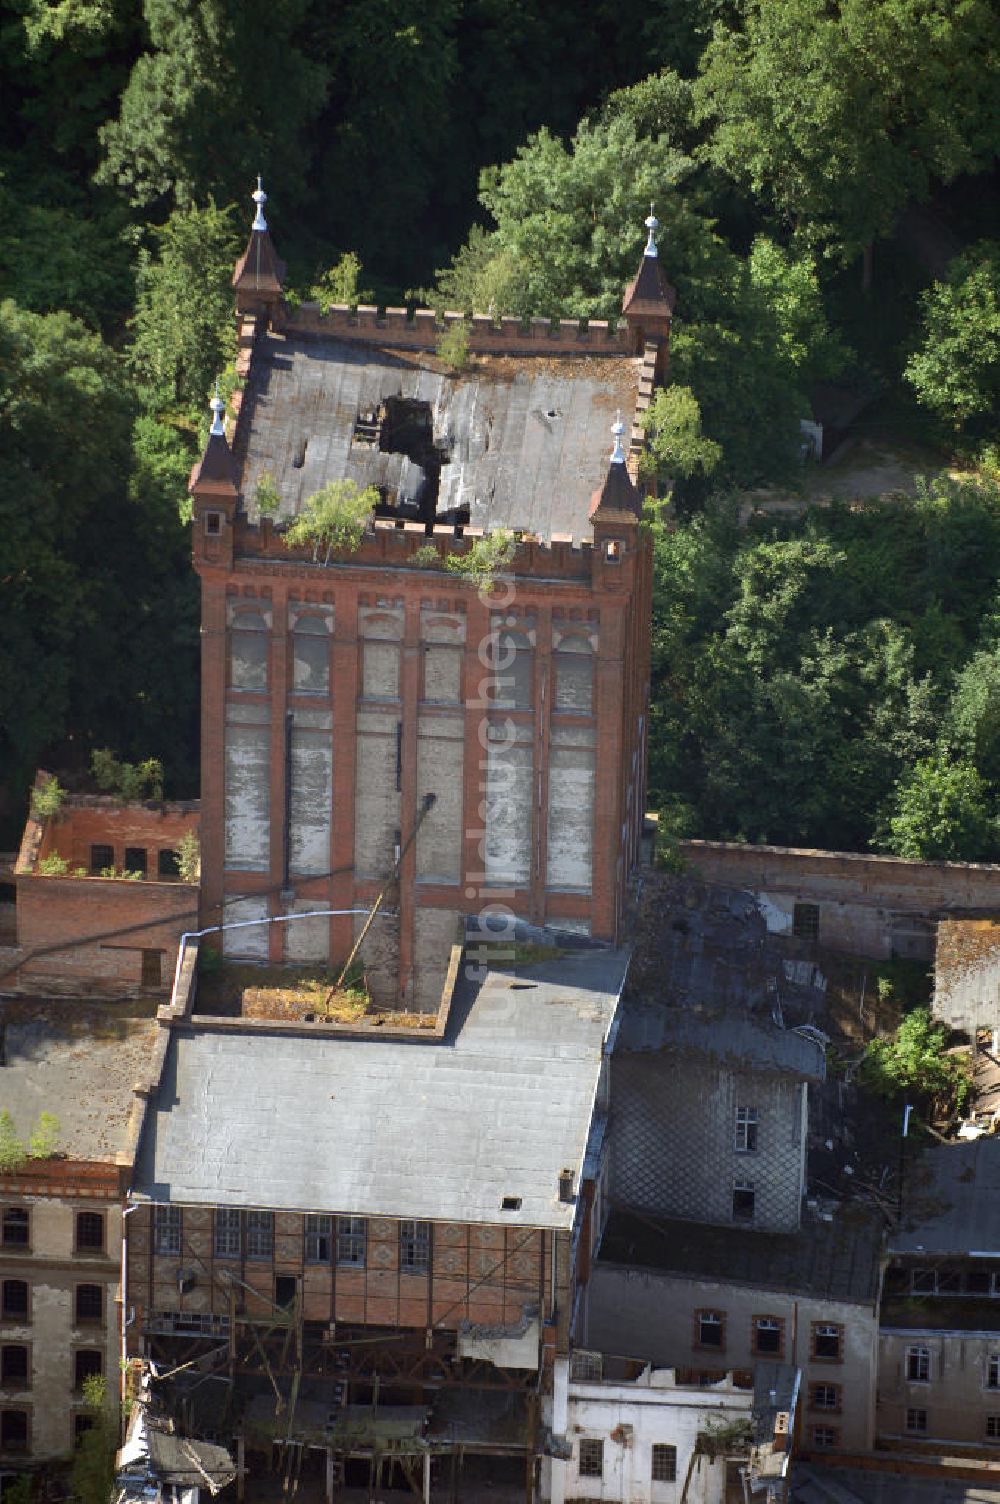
[
  {"x": 318, "y": 1236},
  {"x": 352, "y": 1236},
  {"x": 512, "y": 663},
  {"x": 248, "y": 651},
  {"x": 746, "y": 1130},
  {"x": 916, "y": 1420},
  {"x": 260, "y": 1235},
  {"x": 16, "y": 1227},
  {"x": 825, "y": 1436},
  {"x": 89, "y": 1305},
  {"x": 90, "y": 1232},
  {"x": 13, "y": 1430},
  {"x": 768, "y": 1335},
  {"x": 824, "y": 1397},
  {"x": 167, "y": 1229},
  {"x": 591, "y": 1458},
  {"x": 993, "y": 1428},
  {"x": 805, "y": 921},
  {"x": 414, "y": 1246},
  {"x": 227, "y": 1232},
  {"x": 573, "y": 662},
  {"x": 827, "y": 1341},
  {"x": 744, "y": 1201},
  {"x": 993, "y": 1371},
  {"x": 310, "y": 656},
  {"x": 15, "y": 1371},
  {"x": 709, "y": 1328},
  {"x": 918, "y": 1365},
  {"x": 664, "y": 1469},
  {"x": 14, "y": 1300},
  {"x": 88, "y": 1363}
]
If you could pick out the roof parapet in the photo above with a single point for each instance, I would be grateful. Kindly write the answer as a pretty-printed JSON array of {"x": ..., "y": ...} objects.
[{"x": 421, "y": 329}]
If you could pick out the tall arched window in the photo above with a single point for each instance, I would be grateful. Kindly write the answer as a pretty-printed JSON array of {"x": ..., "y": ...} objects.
[
  {"x": 513, "y": 670},
  {"x": 248, "y": 650},
  {"x": 573, "y": 661},
  {"x": 310, "y": 656}
]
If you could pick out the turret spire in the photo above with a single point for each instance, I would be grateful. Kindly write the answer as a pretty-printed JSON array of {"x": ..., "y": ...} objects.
[
  {"x": 618, "y": 428},
  {"x": 218, "y": 428},
  {"x": 260, "y": 199},
  {"x": 652, "y": 225}
]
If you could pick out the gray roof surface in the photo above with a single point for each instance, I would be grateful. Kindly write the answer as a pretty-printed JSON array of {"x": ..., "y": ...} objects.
[
  {"x": 528, "y": 437},
  {"x": 951, "y": 1201},
  {"x": 812, "y": 1483},
  {"x": 744, "y": 1041},
  {"x": 78, "y": 1060},
  {"x": 441, "y": 1131},
  {"x": 838, "y": 1260}
]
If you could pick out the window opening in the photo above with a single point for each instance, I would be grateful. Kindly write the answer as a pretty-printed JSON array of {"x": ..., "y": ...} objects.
[
  {"x": 286, "y": 1287},
  {"x": 101, "y": 858},
  {"x": 744, "y": 1201},
  {"x": 168, "y": 863},
  {"x": 88, "y": 1364},
  {"x": 805, "y": 921},
  {"x": 16, "y": 1227},
  {"x": 664, "y": 1469},
  {"x": 13, "y": 1430},
  {"x": 709, "y": 1329},
  {"x": 167, "y": 1229},
  {"x": 89, "y": 1304},
  {"x": 260, "y": 1235},
  {"x": 152, "y": 968},
  {"x": 414, "y": 1246},
  {"x": 310, "y": 656},
  {"x": 746, "y": 1130},
  {"x": 993, "y": 1371},
  {"x": 213, "y": 524},
  {"x": 14, "y": 1300},
  {"x": 824, "y": 1436},
  {"x": 90, "y": 1232},
  {"x": 825, "y": 1397},
  {"x": 916, "y": 1420},
  {"x": 352, "y": 1236},
  {"x": 768, "y": 1334},
  {"x": 318, "y": 1239},
  {"x": 918, "y": 1365},
  {"x": 993, "y": 1427},
  {"x": 14, "y": 1371},
  {"x": 827, "y": 1340},
  {"x": 248, "y": 651},
  {"x": 227, "y": 1232},
  {"x": 136, "y": 859},
  {"x": 591, "y": 1458}
]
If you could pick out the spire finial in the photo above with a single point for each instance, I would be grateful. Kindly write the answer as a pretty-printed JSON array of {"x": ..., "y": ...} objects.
[
  {"x": 218, "y": 428},
  {"x": 260, "y": 199},
  {"x": 618, "y": 428},
  {"x": 652, "y": 225}
]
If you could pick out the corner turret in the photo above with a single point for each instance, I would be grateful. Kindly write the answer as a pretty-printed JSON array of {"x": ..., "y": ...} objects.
[
  {"x": 260, "y": 274},
  {"x": 648, "y": 305}
]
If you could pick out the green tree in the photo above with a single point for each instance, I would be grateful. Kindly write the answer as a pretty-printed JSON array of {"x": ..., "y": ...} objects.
[
  {"x": 940, "y": 812},
  {"x": 181, "y": 343},
  {"x": 972, "y": 728},
  {"x": 676, "y": 445},
  {"x": 333, "y": 519},
  {"x": 956, "y": 370},
  {"x": 92, "y": 1474},
  {"x": 914, "y": 1066}
]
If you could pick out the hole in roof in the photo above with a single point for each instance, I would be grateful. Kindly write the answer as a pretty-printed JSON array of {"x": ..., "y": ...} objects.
[
  {"x": 299, "y": 457},
  {"x": 551, "y": 413},
  {"x": 522, "y": 986},
  {"x": 510, "y": 1204}
]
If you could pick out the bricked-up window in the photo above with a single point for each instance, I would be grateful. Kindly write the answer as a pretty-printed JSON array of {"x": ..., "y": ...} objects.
[
  {"x": 664, "y": 1468},
  {"x": 768, "y": 1336},
  {"x": 318, "y": 1239},
  {"x": 151, "y": 974},
  {"x": 573, "y": 662},
  {"x": 511, "y": 666},
  {"x": 15, "y": 1370},
  {"x": 90, "y": 1232},
  {"x": 918, "y": 1365},
  {"x": 827, "y": 1341},
  {"x": 14, "y": 1300},
  {"x": 16, "y": 1227},
  {"x": 380, "y": 670},
  {"x": 746, "y": 1130},
  {"x": 414, "y": 1247},
  {"x": 993, "y": 1428},
  {"x": 13, "y": 1430},
  {"x": 89, "y": 1305},
  {"x": 101, "y": 858},
  {"x": 310, "y": 656},
  {"x": 825, "y": 1436},
  {"x": 352, "y": 1238},
  {"x": 260, "y": 1235},
  {"x": 993, "y": 1371},
  {"x": 916, "y": 1420},
  {"x": 805, "y": 921},
  {"x": 709, "y": 1329},
  {"x": 591, "y": 1458},
  {"x": 744, "y": 1201},
  {"x": 442, "y": 673},
  {"x": 88, "y": 1363},
  {"x": 167, "y": 1229},
  {"x": 248, "y": 651},
  {"x": 136, "y": 859},
  {"x": 226, "y": 1224}
]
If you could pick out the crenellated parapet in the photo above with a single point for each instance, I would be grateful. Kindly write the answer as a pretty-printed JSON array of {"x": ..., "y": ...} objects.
[{"x": 422, "y": 328}]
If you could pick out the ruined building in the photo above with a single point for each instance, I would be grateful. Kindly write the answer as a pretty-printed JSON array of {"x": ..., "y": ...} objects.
[{"x": 337, "y": 697}]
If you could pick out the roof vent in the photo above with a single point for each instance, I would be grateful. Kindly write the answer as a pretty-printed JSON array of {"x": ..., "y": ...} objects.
[
  {"x": 510, "y": 1204},
  {"x": 565, "y": 1185}
]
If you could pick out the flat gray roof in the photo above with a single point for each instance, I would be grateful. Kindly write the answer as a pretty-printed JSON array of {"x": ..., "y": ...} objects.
[
  {"x": 525, "y": 439},
  {"x": 741, "y": 1040},
  {"x": 78, "y": 1060},
  {"x": 951, "y": 1200},
  {"x": 439, "y": 1131}
]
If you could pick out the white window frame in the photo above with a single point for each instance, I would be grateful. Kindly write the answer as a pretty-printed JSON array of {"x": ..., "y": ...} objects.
[{"x": 747, "y": 1121}]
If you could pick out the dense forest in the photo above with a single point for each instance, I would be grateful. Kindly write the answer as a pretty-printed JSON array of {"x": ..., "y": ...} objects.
[{"x": 825, "y": 174}]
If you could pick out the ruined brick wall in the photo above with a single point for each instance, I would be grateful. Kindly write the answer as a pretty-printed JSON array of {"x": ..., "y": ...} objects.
[{"x": 967, "y": 975}]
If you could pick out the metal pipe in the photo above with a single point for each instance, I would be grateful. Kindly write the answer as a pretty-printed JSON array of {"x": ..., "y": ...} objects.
[
  {"x": 286, "y": 828},
  {"x": 126, "y": 1212},
  {"x": 244, "y": 924}
]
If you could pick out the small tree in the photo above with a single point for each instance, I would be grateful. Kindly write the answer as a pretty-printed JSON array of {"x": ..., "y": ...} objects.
[
  {"x": 487, "y": 558},
  {"x": 12, "y": 1152},
  {"x": 334, "y": 519},
  {"x": 677, "y": 446},
  {"x": 189, "y": 857},
  {"x": 132, "y": 781},
  {"x": 267, "y": 496},
  {"x": 44, "y": 1136},
  {"x": 340, "y": 284},
  {"x": 52, "y": 865},
  {"x": 915, "y": 1065},
  {"x": 47, "y": 798},
  {"x": 941, "y": 813},
  {"x": 93, "y": 1472},
  {"x": 453, "y": 345}
]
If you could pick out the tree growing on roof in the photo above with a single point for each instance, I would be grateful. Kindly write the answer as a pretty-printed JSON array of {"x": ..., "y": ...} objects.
[
  {"x": 333, "y": 519},
  {"x": 915, "y": 1065}
]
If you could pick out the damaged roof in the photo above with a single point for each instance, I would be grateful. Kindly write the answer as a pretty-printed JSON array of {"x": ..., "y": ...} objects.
[
  {"x": 951, "y": 1201},
  {"x": 520, "y": 442},
  {"x": 442, "y": 1131},
  {"x": 747, "y": 1042},
  {"x": 78, "y": 1060}
]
